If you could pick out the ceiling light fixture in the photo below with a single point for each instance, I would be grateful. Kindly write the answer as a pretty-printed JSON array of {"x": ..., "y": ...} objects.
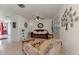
[{"x": 39, "y": 18}]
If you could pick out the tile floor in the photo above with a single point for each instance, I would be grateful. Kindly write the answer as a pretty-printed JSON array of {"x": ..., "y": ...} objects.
[{"x": 13, "y": 48}]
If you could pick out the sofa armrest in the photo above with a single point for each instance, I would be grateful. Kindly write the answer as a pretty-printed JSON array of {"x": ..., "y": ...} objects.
[{"x": 30, "y": 50}]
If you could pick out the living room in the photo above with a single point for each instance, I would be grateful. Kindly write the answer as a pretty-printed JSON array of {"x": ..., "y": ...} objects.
[{"x": 19, "y": 22}]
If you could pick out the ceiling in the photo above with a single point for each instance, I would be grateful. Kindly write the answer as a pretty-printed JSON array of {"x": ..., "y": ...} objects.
[{"x": 31, "y": 10}]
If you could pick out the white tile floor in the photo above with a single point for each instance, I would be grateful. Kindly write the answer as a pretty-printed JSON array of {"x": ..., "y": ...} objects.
[{"x": 13, "y": 48}]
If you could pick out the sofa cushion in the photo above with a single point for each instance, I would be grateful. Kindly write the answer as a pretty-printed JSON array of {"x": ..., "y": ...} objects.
[
  {"x": 45, "y": 46},
  {"x": 29, "y": 49}
]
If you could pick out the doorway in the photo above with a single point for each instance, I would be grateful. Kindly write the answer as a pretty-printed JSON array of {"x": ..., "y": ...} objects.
[{"x": 5, "y": 31}]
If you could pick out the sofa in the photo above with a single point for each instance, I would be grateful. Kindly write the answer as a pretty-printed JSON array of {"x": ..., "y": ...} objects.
[{"x": 39, "y": 46}]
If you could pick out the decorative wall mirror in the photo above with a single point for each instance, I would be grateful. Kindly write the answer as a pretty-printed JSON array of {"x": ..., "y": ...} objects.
[{"x": 40, "y": 25}]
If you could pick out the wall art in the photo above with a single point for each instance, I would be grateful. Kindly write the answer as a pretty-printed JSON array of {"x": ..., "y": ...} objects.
[
  {"x": 14, "y": 24},
  {"x": 68, "y": 18},
  {"x": 74, "y": 13},
  {"x": 70, "y": 9},
  {"x": 77, "y": 18}
]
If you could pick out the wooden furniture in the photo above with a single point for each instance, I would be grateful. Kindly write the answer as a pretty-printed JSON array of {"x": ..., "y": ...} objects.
[{"x": 40, "y": 33}]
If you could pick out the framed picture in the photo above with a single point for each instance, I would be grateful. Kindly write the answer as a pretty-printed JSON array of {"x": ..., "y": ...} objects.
[{"x": 14, "y": 24}]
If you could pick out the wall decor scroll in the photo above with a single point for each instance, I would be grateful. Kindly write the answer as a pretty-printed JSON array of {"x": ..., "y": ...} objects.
[
  {"x": 40, "y": 25},
  {"x": 68, "y": 18}
]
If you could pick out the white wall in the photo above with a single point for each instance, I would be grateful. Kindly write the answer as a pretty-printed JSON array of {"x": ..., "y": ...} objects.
[
  {"x": 20, "y": 25},
  {"x": 56, "y": 27},
  {"x": 16, "y": 33},
  {"x": 70, "y": 38},
  {"x": 46, "y": 22}
]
